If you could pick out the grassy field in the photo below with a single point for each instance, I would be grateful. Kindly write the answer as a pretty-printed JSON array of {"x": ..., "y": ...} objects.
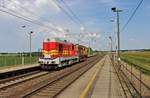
[
  {"x": 13, "y": 60},
  {"x": 141, "y": 60}
]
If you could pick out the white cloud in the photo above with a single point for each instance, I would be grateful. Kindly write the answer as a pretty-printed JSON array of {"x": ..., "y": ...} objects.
[
  {"x": 40, "y": 2},
  {"x": 47, "y": 8},
  {"x": 26, "y": 7},
  {"x": 109, "y": 2},
  {"x": 33, "y": 9},
  {"x": 54, "y": 5}
]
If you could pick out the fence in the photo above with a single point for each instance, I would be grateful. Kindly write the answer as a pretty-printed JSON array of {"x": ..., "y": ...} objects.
[
  {"x": 137, "y": 83},
  {"x": 17, "y": 59}
]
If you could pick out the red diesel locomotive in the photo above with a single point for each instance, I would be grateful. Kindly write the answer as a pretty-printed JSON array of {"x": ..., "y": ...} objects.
[{"x": 57, "y": 53}]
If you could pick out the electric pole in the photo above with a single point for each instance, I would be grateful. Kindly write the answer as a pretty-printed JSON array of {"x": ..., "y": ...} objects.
[
  {"x": 30, "y": 35},
  {"x": 118, "y": 30}
]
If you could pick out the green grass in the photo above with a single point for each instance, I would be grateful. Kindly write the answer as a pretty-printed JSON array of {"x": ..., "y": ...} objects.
[
  {"x": 13, "y": 60},
  {"x": 140, "y": 60}
]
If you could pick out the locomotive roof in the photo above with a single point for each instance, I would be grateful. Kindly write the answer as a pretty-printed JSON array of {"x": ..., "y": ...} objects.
[
  {"x": 57, "y": 40},
  {"x": 62, "y": 41}
]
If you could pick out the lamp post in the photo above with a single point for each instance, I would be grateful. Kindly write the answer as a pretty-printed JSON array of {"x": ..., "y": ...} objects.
[
  {"x": 30, "y": 35},
  {"x": 22, "y": 55},
  {"x": 114, "y": 9}
]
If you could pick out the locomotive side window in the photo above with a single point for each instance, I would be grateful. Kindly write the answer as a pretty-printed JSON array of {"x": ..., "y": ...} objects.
[{"x": 60, "y": 47}]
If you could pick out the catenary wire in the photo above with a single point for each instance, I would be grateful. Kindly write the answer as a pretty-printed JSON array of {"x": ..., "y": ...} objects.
[
  {"x": 25, "y": 19},
  {"x": 57, "y": 3},
  {"x": 32, "y": 13},
  {"x": 71, "y": 11},
  {"x": 132, "y": 15}
]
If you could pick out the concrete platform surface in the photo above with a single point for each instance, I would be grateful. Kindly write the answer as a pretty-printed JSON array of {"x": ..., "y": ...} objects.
[
  {"x": 76, "y": 88},
  {"x": 107, "y": 85}
]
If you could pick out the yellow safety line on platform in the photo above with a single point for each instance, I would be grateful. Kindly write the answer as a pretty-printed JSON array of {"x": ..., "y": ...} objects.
[{"x": 90, "y": 83}]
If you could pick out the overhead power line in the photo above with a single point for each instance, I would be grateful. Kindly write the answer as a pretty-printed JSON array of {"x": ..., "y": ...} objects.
[
  {"x": 31, "y": 12},
  {"x": 12, "y": 14},
  {"x": 71, "y": 11},
  {"x": 26, "y": 19},
  {"x": 132, "y": 15},
  {"x": 57, "y": 3},
  {"x": 23, "y": 17}
]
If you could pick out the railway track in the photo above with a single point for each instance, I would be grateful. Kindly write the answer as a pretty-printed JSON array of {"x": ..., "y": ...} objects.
[
  {"x": 56, "y": 81},
  {"x": 6, "y": 83},
  {"x": 54, "y": 88}
]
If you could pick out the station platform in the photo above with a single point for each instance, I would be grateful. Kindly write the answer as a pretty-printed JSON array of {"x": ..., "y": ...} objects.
[
  {"x": 107, "y": 84},
  {"x": 99, "y": 82},
  {"x": 18, "y": 67}
]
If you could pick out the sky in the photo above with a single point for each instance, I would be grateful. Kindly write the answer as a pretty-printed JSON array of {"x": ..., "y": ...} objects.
[{"x": 95, "y": 17}]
